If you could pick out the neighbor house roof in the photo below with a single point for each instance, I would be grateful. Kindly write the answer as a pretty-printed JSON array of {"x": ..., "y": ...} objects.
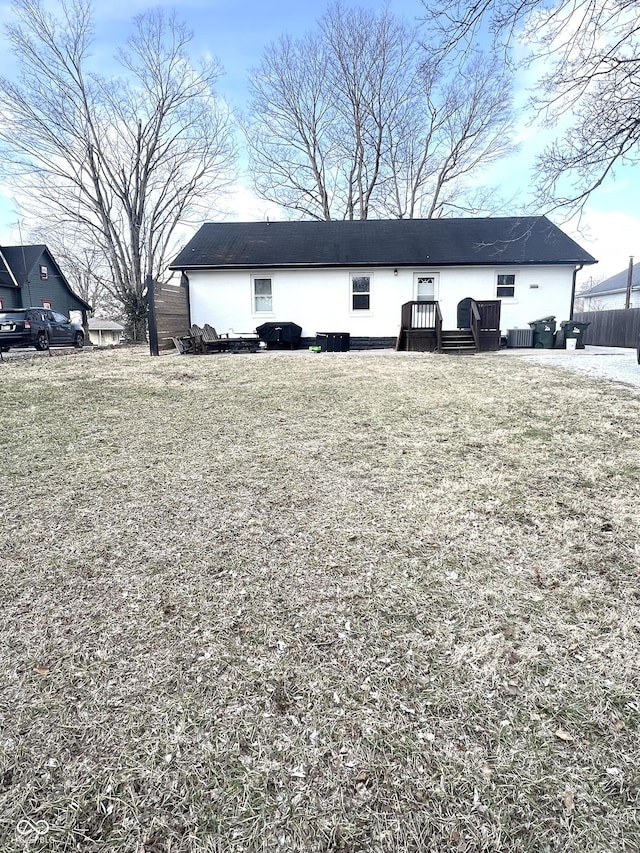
[
  {"x": 397, "y": 242},
  {"x": 615, "y": 283},
  {"x": 96, "y": 324},
  {"x": 7, "y": 278}
]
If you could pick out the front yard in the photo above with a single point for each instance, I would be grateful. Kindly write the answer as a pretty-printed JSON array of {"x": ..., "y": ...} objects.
[{"x": 298, "y": 602}]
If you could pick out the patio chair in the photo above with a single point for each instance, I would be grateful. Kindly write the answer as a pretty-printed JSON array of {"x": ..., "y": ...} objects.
[
  {"x": 211, "y": 340},
  {"x": 197, "y": 335},
  {"x": 184, "y": 345}
]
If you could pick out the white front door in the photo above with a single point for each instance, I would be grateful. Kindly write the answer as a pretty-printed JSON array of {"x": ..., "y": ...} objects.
[{"x": 426, "y": 286}]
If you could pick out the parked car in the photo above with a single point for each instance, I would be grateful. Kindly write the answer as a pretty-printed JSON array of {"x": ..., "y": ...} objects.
[{"x": 39, "y": 328}]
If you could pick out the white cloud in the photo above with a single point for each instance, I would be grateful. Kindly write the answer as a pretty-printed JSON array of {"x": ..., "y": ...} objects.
[{"x": 242, "y": 205}]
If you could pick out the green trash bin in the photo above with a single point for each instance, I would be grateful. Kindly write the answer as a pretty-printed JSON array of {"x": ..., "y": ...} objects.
[
  {"x": 544, "y": 331},
  {"x": 574, "y": 331}
]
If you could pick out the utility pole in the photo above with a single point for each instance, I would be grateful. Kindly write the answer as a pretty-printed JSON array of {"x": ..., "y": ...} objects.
[{"x": 627, "y": 301}]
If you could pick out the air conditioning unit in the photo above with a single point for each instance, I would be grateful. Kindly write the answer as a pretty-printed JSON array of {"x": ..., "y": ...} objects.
[{"x": 519, "y": 338}]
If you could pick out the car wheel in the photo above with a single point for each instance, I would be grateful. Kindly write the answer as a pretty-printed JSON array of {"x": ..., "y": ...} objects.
[
  {"x": 4, "y": 349},
  {"x": 42, "y": 341},
  {"x": 78, "y": 340}
]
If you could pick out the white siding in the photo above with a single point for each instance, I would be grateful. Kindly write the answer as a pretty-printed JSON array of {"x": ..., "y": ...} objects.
[
  {"x": 610, "y": 301},
  {"x": 320, "y": 300}
]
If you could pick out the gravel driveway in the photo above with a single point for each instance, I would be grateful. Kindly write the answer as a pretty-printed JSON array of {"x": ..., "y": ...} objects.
[{"x": 611, "y": 363}]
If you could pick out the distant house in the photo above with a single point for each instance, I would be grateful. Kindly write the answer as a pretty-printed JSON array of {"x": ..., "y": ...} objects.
[
  {"x": 104, "y": 333},
  {"x": 31, "y": 277},
  {"x": 611, "y": 293},
  {"x": 355, "y": 276}
]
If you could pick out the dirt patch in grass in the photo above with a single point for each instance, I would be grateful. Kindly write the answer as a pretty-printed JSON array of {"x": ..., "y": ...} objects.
[{"x": 312, "y": 602}]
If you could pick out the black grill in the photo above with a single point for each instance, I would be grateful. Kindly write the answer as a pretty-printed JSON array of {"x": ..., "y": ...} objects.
[{"x": 280, "y": 335}]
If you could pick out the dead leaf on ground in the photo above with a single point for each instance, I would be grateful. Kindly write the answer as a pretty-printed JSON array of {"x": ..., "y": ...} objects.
[
  {"x": 618, "y": 725},
  {"x": 568, "y": 801},
  {"x": 487, "y": 771},
  {"x": 41, "y": 670},
  {"x": 565, "y": 736}
]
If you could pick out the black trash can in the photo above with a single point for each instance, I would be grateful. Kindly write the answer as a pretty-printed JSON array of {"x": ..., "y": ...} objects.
[
  {"x": 333, "y": 341},
  {"x": 574, "y": 331},
  {"x": 543, "y": 332}
]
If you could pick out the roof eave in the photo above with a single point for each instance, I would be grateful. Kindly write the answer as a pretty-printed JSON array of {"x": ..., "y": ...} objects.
[{"x": 382, "y": 265}]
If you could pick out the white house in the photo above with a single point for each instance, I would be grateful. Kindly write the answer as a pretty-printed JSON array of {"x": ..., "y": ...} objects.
[
  {"x": 354, "y": 276},
  {"x": 612, "y": 293},
  {"x": 105, "y": 332}
]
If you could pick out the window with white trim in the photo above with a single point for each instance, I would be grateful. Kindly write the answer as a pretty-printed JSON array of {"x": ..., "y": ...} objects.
[
  {"x": 44, "y": 272},
  {"x": 506, "y": 285},
  {"x": 262, "y": 295},
  {"x": 360, "y": 292},
  {"x": 425, "y": 288},
  {"x": 47, "y": 303}
]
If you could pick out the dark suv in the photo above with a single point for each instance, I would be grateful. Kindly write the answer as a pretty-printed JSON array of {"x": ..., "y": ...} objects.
[{"x": 38, "y": 327}]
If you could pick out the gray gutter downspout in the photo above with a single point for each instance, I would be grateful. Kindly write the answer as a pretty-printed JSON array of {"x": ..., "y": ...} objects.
[{"x": 573, "y": 291}]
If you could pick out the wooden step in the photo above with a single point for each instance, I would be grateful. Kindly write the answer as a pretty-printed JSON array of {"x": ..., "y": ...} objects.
[{"x": 458, "y": 342}]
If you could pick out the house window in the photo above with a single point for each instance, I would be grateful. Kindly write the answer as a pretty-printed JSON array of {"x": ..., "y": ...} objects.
[
  {"x": 44, "y": 272},
  {"x": 262, "y": 295},
  {"x": 506, "y": 288},
  {"x": 425, "y": 288},
  {"x": 47, "y": 303},
  {"x": 360, "y": 292}
]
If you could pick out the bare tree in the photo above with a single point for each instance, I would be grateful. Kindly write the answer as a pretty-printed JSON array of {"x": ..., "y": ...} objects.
[
  {"x": 456, "y": 126},
  {"x": 355, "y": 121},
  {"x": 321, "y": 109},
  {"x": 125, "y": 159},
  {"x": 371, "y": 61},
  {"x": 289, "y": 134},
  {"x": 590, "y": 52}
]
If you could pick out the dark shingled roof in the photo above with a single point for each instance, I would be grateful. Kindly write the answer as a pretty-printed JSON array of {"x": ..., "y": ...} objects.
[
  {"x": 395, "y": 242},
  {"x": 5, "y": 275},
  {"x": 22, "y": 259},
  {"x": 614, "y": 284}
]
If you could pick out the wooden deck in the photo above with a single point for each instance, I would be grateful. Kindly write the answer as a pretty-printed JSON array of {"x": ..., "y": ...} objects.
[{"x": 421, "y": 327}]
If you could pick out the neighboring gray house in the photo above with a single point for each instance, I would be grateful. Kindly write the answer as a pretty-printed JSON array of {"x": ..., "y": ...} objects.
[
  {"x": 30, "y": 277},
  {"x": 104, "y": 333},
  {"x": 611, "y": 293}
]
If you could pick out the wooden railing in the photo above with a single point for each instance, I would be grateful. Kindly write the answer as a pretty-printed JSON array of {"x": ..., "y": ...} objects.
[
  {"x": 423, "y": 315},
  {"x": 489, "y": 314},
  {"x": 475, "y": 323}
]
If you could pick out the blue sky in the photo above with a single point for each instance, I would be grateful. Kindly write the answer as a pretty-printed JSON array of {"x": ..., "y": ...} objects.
[{"x": 236, "y": 31}]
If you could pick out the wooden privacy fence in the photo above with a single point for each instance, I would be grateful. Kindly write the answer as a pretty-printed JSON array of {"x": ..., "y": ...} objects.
[
  {"x": 619, "y": 328},
  {"x": 168, "y": 314}
]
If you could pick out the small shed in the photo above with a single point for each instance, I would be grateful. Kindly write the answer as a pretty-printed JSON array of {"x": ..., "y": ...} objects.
[{"x": 105, "y": 333}]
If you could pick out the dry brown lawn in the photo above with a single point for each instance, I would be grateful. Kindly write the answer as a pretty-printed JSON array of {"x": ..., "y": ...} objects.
[{"x": 299, "y": 602}]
